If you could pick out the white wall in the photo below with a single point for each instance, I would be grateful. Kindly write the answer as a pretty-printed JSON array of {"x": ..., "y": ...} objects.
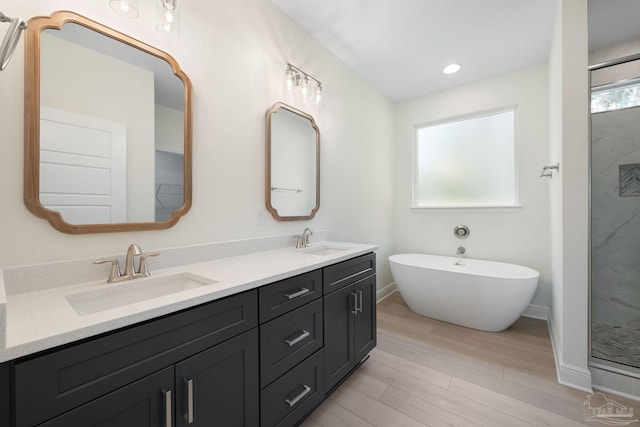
[
  {"x": 515, "y": 236},
  {"x": 169, "y": 129},
  {"x": 235, "y": 54},
  {"x": 568, "y": 110}
]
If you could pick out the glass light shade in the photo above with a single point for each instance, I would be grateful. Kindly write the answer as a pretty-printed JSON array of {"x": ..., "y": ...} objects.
[
  {"x": 317, "y": 99},
  {"x": 289, "y": 76},
  {"x": 168, "y": 18},
  {"x": 304, "y": 87},
  {"x": 128, "y": 8}
]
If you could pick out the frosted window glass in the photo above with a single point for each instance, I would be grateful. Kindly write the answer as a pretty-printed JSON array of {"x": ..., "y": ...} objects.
[
  {"x": 466, "y": 163},
  {"x": 615, "y": 97}
]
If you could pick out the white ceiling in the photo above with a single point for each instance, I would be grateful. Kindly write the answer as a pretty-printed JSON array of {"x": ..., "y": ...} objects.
[{"x": 401, "y": 46}]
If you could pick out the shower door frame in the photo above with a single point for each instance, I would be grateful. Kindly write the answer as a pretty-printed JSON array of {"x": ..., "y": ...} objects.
[{"x": 599, "y": 363}]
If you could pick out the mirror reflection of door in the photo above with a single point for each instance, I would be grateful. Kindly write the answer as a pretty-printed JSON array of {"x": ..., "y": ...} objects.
[{"x": 83, "y": 167}]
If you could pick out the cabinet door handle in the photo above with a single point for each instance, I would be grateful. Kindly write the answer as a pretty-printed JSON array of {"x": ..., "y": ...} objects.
[
  {"x": 297, "y": 294},
  {"x": 296, "y": 340},
  {"x": 189, "y": 414},
  {"x": 297, "y": 399},
  {"x": 359, "y": 306},
  {"x": 355, "y": 303},
  {"x": 168, "y": 400}
]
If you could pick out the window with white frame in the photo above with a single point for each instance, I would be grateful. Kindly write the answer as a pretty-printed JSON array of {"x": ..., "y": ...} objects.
[{"x": 466, "y": 162}]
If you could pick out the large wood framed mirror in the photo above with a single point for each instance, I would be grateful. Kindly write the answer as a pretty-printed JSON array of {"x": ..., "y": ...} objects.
[
  {"x": 107, "y": 129},
  {"x": 292, "y": 190}
]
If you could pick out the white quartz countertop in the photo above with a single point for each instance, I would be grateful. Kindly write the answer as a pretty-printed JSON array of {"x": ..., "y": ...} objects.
[{"x": 45, "y": 319}]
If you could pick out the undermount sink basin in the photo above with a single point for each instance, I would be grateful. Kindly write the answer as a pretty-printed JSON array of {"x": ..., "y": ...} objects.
[
  {"x": 324, "y": 250},
  {"x": 135, "y": 290}
]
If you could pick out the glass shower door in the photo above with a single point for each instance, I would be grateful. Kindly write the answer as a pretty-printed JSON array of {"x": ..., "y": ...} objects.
[{"x": 615, "y": 223}]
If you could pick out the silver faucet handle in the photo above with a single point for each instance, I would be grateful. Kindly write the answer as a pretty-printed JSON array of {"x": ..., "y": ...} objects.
[
  {"x": 298, "y": 241},
  {"x": 306, "y": 235},
  {"x": 142, "y": 267},
  {"x": 114, "y": 274}
]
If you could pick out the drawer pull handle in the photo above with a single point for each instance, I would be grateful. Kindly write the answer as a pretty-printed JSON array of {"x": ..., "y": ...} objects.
[
  {"x": 296, "y": 340},
  {"x": 297, "y": 399},
  {"x": 168, "y": 400},
  {"x": 297, "y": 294},
  {"x": 189, "y": 415}
]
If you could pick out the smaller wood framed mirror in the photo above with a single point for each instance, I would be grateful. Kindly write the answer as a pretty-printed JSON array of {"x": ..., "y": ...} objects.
[
  {"x": 292, "y": 191},
  {"x": 107, "y": 129}
]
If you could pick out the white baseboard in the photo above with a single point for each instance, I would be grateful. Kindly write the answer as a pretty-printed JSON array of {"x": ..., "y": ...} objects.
[
  {"x": 386, "y": 291},
  {"x": 569, "y": 375},
  {"x": 537, "y": 312}
]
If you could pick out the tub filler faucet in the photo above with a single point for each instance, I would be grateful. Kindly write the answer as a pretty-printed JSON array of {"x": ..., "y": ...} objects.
[{"x": 461, "y": 251}]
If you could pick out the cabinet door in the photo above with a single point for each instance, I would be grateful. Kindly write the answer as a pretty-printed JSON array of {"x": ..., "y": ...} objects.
[
  {"x": 365, "y": 319},
  {"x": 219, "y": 386},
  {"x": 339, "y": 307},
  {"x": 145, "y": 403}
]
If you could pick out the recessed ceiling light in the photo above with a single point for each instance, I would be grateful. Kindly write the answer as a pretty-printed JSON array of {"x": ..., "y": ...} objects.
[{"x": 450, "y": 69}]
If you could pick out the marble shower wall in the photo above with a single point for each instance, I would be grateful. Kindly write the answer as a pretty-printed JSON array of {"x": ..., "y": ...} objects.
[{"x": 615, "y": 218}]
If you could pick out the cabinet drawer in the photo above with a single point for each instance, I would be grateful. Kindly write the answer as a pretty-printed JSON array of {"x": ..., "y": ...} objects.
[
  {"x": 287, "y": 294},
  {"x": 293, "y": 395},
  {"x": 289, "y": 339},
  {"x": 64, "y": 379},
  {"x": 347, "y": 272}
]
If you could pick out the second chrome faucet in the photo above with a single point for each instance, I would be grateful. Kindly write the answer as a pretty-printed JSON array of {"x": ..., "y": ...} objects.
[
  {"x": 303, "y": 241},
  {"x": 130, "y": 272}
]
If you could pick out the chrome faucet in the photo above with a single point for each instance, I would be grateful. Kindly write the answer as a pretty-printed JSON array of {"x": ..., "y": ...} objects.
[
  {"x": 306, "y": 234},
  {"x": 302, "y": 240},
  {"x": 461, "y": 251},
  {"x": 129, "y": 271},
  {"x": 132, "y": 251}
]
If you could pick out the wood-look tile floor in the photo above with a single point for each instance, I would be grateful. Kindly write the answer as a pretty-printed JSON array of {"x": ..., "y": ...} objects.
[{"x": 429, "y": 373}]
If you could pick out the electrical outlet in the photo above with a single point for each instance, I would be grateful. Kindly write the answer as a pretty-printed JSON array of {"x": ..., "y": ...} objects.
[{"x": 262, "y": 215}]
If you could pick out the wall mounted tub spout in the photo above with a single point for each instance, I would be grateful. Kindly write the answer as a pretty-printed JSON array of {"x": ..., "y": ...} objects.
[{"x": 461, "y": 250}]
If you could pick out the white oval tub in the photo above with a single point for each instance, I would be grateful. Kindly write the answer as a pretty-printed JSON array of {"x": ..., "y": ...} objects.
[{"x": 484, "y": 295}]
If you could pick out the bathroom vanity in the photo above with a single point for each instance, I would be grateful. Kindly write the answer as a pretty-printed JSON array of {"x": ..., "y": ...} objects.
[{"x": 258, "y": 352}]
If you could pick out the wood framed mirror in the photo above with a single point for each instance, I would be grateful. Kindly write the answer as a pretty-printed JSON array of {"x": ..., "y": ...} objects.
[
  {"x": 292, "y": 191},
  {"x": 107, "y": 129}
]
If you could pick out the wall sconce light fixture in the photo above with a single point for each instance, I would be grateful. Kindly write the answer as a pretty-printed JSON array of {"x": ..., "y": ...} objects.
[
  {"x": 168, "y": 18},
  {"x": 10, "y": 40},
  {"x": 167, "y": 11},
  {"x": 298, "y": 81},
  {"x": 128, "y": 8}
]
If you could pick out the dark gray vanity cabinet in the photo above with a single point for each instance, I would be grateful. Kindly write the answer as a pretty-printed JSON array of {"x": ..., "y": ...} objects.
[
  {"x": 218, "y": 387},
  {"x": 144, "y": 403},
  {"x": 349, "y": 317},
  {"x": 265, "y": 357},
  {"x": 291, "y": 355},
  {"x": 139, "y": 375}
]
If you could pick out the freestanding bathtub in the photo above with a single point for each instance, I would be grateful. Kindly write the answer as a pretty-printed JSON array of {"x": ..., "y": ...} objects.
[{"x": 484, "y": 295}]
